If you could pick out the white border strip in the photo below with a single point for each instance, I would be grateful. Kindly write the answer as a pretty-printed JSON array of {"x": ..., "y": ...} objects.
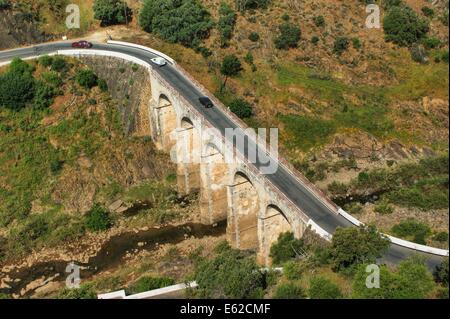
[
  {"x": 168, "y": 58},
  {"x": 149, "y": 294}
]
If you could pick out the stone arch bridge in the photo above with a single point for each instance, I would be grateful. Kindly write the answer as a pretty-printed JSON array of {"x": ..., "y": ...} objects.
[{"x": 258, "y": 205}]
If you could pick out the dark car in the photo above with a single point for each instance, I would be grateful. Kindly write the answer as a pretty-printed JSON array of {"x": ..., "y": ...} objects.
[
  {"x": 206, "y": 102},
  {"x": 82, "y": 45}
]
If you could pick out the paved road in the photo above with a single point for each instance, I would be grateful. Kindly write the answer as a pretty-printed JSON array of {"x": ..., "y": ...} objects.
[{"x": 294, "y": 190}]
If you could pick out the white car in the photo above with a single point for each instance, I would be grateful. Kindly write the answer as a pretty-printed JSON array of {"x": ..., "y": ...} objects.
[{"x": 159, "y": 61}]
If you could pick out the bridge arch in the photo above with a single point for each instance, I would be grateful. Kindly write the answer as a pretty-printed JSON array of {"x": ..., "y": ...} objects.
[
  {"x": 273, "y": 223},
  {"x": 188, "y": 156},
  {"x": 243, "y": 216},
  {"x": 166, "y": 122},
  {"x": 215, "y": 177}
]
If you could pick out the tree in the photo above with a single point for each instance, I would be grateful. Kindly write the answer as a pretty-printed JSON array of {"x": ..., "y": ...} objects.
[
  {"x": 356, "y": 245},
  {"x": 98, "y": 219},
  {"x": 241, "y": 108},
  {"x": 183, "y": 21},
  {"x": 243, "y": 5},
  {"x": 227, "y": 20},
  {"x": 403, "y": 26},
  {"x": 230, "y": 274},
  {"x": 411, "y": 280},
  {"x": 111, "y": 12},
  {"x": 323, "y": 288},
  {"x": 285, "y": 248},
  {"x": 16, "y": 90},
  {"x": 231, "y": 66},
  {"x": 288, "y": 37},
  {"x": 86, "y": 78}
]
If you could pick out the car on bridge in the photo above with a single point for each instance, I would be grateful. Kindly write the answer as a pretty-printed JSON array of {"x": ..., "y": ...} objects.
[
  {"x": 206, "y": 102},
  {"x": 82, "y": 45},
  {"x": 159, "y": 61}
]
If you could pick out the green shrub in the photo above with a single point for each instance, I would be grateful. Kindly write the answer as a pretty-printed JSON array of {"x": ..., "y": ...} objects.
[
  {"x": 292, "y": 270},
  {"x": 147, "y": 283},
  {"x": 319, "y": 21},
  {"x": 337, "y": 188},
  {"x": 315, "y": 39},
  {"x": 43, "y": 96},
  {"x": 285, "y": 248},
  {"x": 59, "y": 64},
  {"x": 243, "y": 5},
  {"x": 185, "y": 21},
  {"x": 103, "y": 86},
  {"x": 356, "y": 43},
  {"x": 341, "y": 44},
  {"x": 20, "y": 67},
  {"x": 354, "y": 208},
  {"x": 403, "y": 27},
  {"x": 253, "y": 36},
  {"x": 249, "y": 58},
  {"x": 111, "y": 12},
  {"x": 288, "y": 37},
  {"x": 431, "y": 43},
  {"x": 384, "y": 208},
  {"x": 84, "y": 292},
  {"x": 241, "y": 108},
  {"x": 86, "y": 78},
  {"x": 413, "y": 230},
  {"x": 289, "y": 290},
  {"x": 52, "y": 78},
  {"x": 45, "y": 61},
  {"x": 356, "y": 245},
  {"x": 429, "y": 12},
  {"x": 98, "y": 219},
  {"x": 229, "y": 275},
  {"x": 411, "y": 280},
  {"x": 441, "y": 237},
  {"x": 323, "y": 288}
]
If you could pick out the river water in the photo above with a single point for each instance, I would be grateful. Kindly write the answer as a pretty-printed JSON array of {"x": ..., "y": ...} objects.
[{"x": 110, "y": 255}]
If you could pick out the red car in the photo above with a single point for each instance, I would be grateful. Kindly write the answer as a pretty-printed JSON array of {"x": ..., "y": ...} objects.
[{"x": 82, "y": 45}]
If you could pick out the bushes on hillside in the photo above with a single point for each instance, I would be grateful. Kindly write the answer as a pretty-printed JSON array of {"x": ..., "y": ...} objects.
[
  {"x": 441, "y": 273},
  {"x": 230, "y": 274},
  {"x": 403, "y": 26},
  {"x": 413, "y": 230},
  {"x": 243, "y": 5},
  {"x": 323, "y": 288},
  {"x": 185, "y": 21},
  {"x": 411, "y": 280},
  {"x": 111, "y": 12},
  {"x": 288, "y": 37}
]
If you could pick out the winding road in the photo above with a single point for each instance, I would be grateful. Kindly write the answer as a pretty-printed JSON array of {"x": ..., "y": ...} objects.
[{"x": 297, "y": 193}]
